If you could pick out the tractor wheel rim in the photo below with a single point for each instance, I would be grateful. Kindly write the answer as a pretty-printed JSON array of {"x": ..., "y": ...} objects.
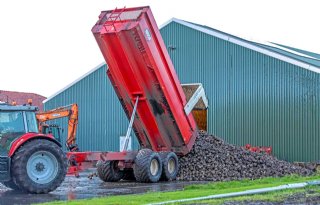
[
  {"x": 154, "y": 167},
  {"x": 171, "y": 165},
  {"x": 42, "y": 167}
]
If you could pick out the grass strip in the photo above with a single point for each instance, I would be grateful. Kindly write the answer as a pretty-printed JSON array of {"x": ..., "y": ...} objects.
[
  {"x": 276, "y": 196},
  {"x": 192, "y": 191}
]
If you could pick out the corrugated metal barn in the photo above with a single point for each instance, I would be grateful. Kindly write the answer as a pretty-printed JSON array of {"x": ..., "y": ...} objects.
[{"x": 262, "y": 94}]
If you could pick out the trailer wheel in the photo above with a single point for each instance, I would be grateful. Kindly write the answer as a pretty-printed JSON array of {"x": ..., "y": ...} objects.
[
  {"x": 39, "y": 166},
  {"x": 147, "y": 166},
  {"x": 170, "y": 166},
  {"x": 10, "y": 184},
  {"x": 128, "y": 175},
  {"x": 109, "y": 171}
]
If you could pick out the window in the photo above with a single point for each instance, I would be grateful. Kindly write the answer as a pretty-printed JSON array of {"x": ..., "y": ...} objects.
[
  {"x": 11, "y": 121},
  {"x": 31, "y": 122}
]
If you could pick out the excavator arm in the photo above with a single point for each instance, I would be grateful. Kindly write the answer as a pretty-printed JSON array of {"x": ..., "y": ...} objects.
[{"x": 70, "y": 111}]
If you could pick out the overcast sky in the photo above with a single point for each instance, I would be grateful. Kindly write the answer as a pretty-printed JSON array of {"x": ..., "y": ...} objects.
[{"x": 46, "y": 45}]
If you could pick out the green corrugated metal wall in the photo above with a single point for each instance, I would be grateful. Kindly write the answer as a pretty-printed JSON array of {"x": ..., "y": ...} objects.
[
  {"x": 253, "y": 98},
  {"x": 101, "y": 118}
]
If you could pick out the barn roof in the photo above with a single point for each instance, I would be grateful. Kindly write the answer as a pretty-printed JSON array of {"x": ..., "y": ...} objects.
[{"x": 298, "y": 57}]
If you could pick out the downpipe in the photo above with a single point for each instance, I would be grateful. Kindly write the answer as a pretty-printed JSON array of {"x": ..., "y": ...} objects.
[{"x": 242, "y": 193}]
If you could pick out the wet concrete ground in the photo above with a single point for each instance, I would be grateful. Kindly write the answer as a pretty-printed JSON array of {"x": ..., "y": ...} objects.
[{"x": 83, "y": 187}]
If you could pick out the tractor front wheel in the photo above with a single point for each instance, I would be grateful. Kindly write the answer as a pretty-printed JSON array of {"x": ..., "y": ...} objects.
[{"x": 39, "y": 166}]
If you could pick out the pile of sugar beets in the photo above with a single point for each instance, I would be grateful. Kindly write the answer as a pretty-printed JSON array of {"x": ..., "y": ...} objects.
[{"x": 211, "y": 159}]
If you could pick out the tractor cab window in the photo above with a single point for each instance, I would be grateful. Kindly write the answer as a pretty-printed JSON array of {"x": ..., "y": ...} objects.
[
  {"x": 31, "y": 122},
  {"x": 11, "y": 122}
]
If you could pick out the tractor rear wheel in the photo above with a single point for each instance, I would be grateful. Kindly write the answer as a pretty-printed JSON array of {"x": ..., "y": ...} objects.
[
  {"x": 10, "y": 184},
  {"x": 170, "y": 166},
  {"x": 109, "y": 171},
  {"x": 147, "y": 166},
  {"x": 39, "y": 166}
]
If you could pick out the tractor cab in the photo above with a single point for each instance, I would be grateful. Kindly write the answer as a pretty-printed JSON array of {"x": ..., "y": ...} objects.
[
  {"x": 15, "y": 121},
  {"x": 18, "y": 120}
]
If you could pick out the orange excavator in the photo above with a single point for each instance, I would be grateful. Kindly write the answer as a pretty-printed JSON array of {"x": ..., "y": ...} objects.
[{"x": 70, "y": 111}]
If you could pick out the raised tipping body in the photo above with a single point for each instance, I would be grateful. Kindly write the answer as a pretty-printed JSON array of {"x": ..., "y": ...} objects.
[
  {"x": 150, "y": 93},
  {"x": 139, "y": 65}
]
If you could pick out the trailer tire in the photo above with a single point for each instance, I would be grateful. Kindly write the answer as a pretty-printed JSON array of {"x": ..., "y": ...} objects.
[
  {"x": 128, "y": 175},
  {"x": 10, "y": 184},
  {"x": 108, "y": 171},
  {"x": 170, "y": 166},
  {"x": 147, "y": 166},
  {"x": 39, "y": 166}
]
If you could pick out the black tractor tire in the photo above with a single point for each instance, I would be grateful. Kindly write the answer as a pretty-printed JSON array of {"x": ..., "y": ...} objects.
[
  {"x": 10, "y": 184},
  {"x": 37, "y": 154},
  {"x": 170, "y": 166},
  {"x": 108, "y": 171},
  {"x": 147, "y": 166},
  {"x": 128, "y": 175}
]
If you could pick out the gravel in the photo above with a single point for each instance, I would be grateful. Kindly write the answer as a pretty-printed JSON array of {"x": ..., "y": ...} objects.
[{"x": 212, "y": 159}]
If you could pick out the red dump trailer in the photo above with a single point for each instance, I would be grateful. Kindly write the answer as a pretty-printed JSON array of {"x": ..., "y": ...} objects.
[{"x": 145, "y": 81}]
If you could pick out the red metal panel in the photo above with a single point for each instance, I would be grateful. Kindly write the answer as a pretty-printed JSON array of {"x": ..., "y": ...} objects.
[
  {"x": 139, "y": 64},
  {"x": 79, "y": 157},
  {"x": 80, "y": 161},
  {"x": 24, "y": 138}
]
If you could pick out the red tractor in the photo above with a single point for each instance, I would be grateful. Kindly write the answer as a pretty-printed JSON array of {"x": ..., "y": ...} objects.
[{"x": 29, "y": 160}]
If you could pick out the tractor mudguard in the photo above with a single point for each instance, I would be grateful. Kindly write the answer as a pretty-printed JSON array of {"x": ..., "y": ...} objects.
[{"x": 27, "y": 137}]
